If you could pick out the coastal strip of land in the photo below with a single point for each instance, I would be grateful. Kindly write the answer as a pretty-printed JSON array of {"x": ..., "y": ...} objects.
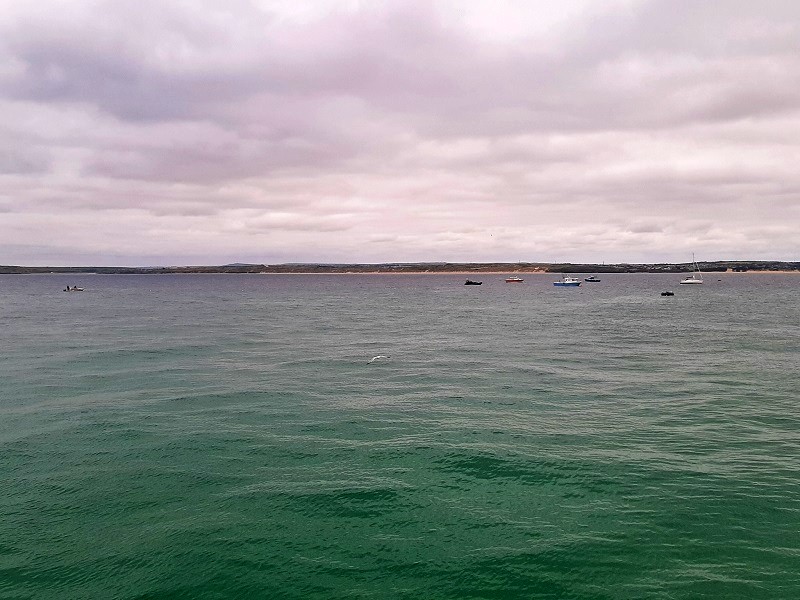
[{"x": 424, "y": 267}]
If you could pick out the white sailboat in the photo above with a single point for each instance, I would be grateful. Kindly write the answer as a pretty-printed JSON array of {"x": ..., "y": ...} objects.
[{"x": 696, "y": 277}]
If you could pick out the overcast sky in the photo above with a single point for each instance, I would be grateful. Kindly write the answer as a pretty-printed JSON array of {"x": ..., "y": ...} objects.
[{"x": 157, "y": 132}]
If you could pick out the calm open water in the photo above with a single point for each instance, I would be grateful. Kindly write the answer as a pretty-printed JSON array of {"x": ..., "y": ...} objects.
[{"x": 222, "y": 436}]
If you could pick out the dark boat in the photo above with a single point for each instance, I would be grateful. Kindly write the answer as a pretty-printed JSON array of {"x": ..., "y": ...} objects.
[
  {"x": 470, "y": 282},
  {"x": 591, "y": 278},
  {"x": 667, "y": 293}
]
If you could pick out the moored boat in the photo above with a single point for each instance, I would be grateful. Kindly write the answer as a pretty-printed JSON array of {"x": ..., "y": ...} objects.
[
  {"x": 591, "y": 279},
  {"x": 567, "y": 281},
  {"x": 514, "y": 279},
  {"x": 695, "y": 278},
  {"x": 470, "y": 282}
]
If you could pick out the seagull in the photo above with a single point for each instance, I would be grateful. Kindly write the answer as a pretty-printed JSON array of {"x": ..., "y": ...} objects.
[{"x": 379, "y": 357}]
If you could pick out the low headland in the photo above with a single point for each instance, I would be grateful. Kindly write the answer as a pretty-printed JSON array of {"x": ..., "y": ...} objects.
[{"x": 424, "y": 267}]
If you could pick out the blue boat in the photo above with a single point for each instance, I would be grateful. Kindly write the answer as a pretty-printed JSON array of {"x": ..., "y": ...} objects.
[{"x": 568, "y": 282}]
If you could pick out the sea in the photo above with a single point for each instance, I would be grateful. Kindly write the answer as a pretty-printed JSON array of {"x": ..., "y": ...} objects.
[{"x": 229, "y": 436}]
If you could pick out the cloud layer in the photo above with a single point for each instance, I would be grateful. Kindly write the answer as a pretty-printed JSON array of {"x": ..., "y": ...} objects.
[{"x": 160, "y": 133}]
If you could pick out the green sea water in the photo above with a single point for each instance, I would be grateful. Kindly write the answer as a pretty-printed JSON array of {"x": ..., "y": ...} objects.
[{"x": 223, "y": 436}]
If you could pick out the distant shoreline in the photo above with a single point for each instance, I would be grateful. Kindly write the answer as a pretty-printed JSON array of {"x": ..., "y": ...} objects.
[{"x": 421, "y": 268}]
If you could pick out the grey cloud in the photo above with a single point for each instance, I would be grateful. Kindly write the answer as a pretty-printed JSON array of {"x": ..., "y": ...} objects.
[
  {"x": 22, "y": 161},
  {"x": 145, "y": 60},
  {"x": 397, "y": 59},
  {"x": 206, "y": 162},
  {"x": 646, "y": 228}
]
